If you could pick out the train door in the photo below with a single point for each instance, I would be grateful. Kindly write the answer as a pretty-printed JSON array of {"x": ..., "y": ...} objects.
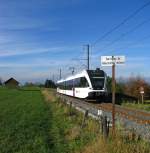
[
  {"x": 73, "y": 91},
  {"x": 73, "y": 88}
]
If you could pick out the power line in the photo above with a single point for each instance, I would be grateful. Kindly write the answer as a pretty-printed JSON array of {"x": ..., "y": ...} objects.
[
  {"x": 87, "y": 58},
  {"x": 132, "y": 43},
  {"x": 121, "y": 23},
  {"x": 72, "y": 69},
  {"x": 126, "y": 33},
  {"x": 60, "y": 74}
]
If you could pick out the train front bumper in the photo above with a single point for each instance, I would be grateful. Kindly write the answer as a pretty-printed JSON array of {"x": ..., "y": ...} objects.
[{"x": 95, "y": 94}]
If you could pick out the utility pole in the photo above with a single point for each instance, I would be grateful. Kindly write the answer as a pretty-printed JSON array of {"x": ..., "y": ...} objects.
[
  {"x": 53, "y": 78},
  {"x": 60, "y": 73},
  {"x": 113, "y": 96},
  {"x": 73, "y": 69},
  {"x": 88, "y": 58},
  {"x": 113, "y": 61}
]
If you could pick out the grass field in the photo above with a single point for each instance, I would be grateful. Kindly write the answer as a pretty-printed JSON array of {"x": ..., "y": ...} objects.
[
  {"x": 29, "y": 124},
  {"x": 35, "y": 122},
  {"x": 24, "y": 121}
]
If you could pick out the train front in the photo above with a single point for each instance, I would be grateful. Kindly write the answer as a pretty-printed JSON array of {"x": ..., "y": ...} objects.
[{"x": 98, "y": 82}]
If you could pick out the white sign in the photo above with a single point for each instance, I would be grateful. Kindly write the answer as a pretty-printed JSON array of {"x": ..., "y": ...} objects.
[
  {"x": 110, "y": 60},
  {"x": 141, "y": 90},
  {"x": 100, "y": 112}
]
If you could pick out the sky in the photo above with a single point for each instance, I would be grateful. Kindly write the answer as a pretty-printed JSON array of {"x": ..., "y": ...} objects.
[{"x": 38, "y": 37}]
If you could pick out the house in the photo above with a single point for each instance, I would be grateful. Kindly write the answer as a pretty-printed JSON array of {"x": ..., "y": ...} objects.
[{"x": 11, "y": 82}]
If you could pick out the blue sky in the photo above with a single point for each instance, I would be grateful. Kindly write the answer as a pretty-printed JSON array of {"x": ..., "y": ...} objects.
[{"x": 38, "y": 37}]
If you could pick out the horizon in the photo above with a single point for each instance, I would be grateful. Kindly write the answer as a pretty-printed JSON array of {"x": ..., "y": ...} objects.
[{"x": 43, "y": 80}]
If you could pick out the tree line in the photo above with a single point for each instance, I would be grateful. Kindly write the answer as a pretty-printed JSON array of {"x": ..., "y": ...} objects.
[
  {"x": 47, "y": 84},
  {"x": 131, "y": 86}
]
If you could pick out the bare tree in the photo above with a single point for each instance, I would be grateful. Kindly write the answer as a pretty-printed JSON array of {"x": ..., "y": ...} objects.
[{"x": 133, "y": 86}]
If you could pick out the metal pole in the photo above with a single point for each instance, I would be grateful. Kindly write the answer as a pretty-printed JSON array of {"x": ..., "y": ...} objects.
[
  {"x": 53, "y": 78},
  {"x": 88, "y": 59},
  {"x": 142, "y": 98},
  {"x": 73, "y": 70},
  {"x": 113, "y": 97},
  {"x": 60, "y": 74}
]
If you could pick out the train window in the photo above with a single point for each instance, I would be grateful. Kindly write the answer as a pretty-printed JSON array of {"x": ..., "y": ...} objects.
[
  {"x": 66, "y": 85},
  {"x": 76, "y": 82},
  {"x": 69, "y": 84},
  {"x": 61, "y": 85},
  {"x": 80, "y": 82},
  {"x": 83, "y": 82},
  {"x": 97, "y": 83}
]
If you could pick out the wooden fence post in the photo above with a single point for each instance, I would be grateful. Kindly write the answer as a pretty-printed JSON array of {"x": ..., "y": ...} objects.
[{"x": 84, "y": 118}]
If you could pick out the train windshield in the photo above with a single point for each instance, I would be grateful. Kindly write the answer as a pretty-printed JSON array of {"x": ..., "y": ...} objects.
[
  {"x": 97, "y": 78},
  {"x": 97, "y": 83}
]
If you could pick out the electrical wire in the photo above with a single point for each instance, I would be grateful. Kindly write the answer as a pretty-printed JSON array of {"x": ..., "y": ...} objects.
[
  {"x": 127, "y": 33},
  {"x": 121, "y": 23},
  {"x": 131, "y": 44}
]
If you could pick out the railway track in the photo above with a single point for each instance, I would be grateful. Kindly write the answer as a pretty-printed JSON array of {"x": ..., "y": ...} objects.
[
  {"x": 141, "y": 117},
  {"x": 138, "y": 116},
  {"x": 131, "y": 119}
]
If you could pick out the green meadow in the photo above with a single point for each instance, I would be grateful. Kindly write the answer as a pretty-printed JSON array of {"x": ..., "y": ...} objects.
[
  {"x": 33, "y": 120},
  {"x": 31, "y": 124},
  {"x": 24, "y": 121}
]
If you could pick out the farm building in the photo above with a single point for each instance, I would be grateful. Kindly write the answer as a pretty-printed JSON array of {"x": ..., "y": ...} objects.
[{"x": 11, "y": 82}]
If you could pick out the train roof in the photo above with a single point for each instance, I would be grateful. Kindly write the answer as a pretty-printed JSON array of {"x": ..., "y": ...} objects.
[{"x": 81, "y": 74}]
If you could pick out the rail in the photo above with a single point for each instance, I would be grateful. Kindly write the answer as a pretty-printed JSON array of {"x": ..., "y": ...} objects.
[{"x": 131, "y": 119}]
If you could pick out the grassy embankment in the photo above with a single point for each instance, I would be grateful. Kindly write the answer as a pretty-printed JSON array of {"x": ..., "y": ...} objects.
[
  {"x": 31, "y": 124},
  {"x": 96, "y": 144}
]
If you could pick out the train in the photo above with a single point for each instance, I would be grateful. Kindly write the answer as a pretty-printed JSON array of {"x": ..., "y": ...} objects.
[{"x": 87, "y": 84}]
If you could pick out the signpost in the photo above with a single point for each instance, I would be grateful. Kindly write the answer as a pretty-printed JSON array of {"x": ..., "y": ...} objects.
[
  {"x": 113, "y": 61},
  {"x": 110, "y": 60}
]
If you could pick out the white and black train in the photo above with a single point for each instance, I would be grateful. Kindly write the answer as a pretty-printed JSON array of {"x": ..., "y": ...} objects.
[{"x": 87, "y": 84}]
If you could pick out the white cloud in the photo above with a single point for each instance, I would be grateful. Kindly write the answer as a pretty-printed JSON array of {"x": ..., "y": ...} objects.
[
  {"x": 37, "y": 63},
  {"x": 23, "y": 51},
  {"x": 23, "y": 23}
]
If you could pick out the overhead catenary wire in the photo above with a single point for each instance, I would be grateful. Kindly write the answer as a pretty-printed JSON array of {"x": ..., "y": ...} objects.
[
  {"x": 85, "y": 59},
  {"x": 118, "y": 26},
  {"x": 134, "y": 43},
  {"x": 131, "y": 44},
  {"x": 126, "y": 33},
  {"x": 121, "y": 23}
]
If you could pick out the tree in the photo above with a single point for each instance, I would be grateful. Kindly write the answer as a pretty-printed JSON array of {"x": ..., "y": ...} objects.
[
  {"x": 49, "y": 84},
  {"x": 133, "y": 86},
  {"x": 29, "y": 84},
  {"x": 1, "y": 83},
  {"x": 119, "y": 86}
]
